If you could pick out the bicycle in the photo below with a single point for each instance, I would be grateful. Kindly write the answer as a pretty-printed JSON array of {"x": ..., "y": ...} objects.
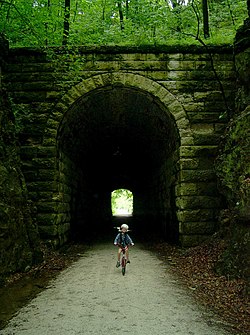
[{"x": 123, "y": 259}]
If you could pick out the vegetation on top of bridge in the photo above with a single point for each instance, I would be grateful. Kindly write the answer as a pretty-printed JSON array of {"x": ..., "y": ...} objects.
[
  {"x": 153, "y": 22},
  {"x": 110, "y": 50}
]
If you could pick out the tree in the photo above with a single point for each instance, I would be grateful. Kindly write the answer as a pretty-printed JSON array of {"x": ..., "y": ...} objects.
[
  {"x": 119, "y": 4},
  {"x": 53, "y": 22},
  {"x": 205, "y": 19},
  {"x": 66, "y": 22}
]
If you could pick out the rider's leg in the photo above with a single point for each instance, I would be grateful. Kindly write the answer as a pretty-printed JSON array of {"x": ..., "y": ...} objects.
[
  {"x": 127, "y": 258},
  {"x": 119, "y": 257},
  {"x": 119, "y": 254}
]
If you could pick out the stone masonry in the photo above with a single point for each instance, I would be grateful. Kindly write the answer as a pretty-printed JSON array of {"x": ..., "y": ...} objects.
[{"x": 195, "y": 88}]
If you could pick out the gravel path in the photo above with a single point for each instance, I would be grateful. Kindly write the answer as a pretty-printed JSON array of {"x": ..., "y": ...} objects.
[{"x": 92, "y": 297}]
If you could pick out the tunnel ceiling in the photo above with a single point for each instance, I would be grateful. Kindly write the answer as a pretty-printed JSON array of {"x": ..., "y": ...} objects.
[{"x": 118, "y": 132}]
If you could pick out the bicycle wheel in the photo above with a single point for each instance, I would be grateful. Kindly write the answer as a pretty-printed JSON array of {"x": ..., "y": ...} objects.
[{"x": 123, "y": 266}]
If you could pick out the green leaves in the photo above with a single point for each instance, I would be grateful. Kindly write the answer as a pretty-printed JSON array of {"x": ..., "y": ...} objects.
[
  {"x": 122, "y": 202},
  {"x": 42, "y": 22}
]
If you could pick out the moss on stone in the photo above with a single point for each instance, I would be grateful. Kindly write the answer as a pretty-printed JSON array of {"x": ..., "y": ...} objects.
[{"x": 19, "y": 243}]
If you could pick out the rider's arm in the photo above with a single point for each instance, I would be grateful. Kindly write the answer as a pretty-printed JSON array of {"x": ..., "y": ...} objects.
[
  {"x": 116, "y": 239},
  {"x": 129, "y": 240}
]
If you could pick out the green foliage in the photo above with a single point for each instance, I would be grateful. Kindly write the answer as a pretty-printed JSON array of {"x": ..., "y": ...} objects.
[
  {"x": 234, "y": 261},
  {"x": 122, "y": 202},
  {"x": 41, "y": 22},
  {"x": 232, "y": 164},
  {"x": 67, "y": 66}
]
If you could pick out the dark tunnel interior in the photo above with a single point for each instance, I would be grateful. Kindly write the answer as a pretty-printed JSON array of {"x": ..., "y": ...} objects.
[{"x": 120, "y": 138}]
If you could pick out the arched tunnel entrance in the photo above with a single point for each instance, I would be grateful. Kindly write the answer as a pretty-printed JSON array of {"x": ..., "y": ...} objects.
[{"x": 118, "y": 137}]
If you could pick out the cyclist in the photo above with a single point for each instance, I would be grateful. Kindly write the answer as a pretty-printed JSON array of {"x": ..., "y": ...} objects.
[{"x": 123, "y": 240}]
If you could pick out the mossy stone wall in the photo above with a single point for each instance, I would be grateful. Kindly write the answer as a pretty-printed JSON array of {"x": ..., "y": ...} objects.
[
  {"x": 19, "y": 239},
  {"x": 188, "y": 82},
  {"x": 233, "y": 169}
]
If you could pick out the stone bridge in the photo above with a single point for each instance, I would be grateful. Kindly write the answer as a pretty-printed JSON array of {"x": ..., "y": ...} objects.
[{"x": 95, "y": 120}]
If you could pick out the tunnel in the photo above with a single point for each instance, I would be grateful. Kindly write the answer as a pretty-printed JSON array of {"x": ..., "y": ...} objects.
[{"x": 119, "y": 137}]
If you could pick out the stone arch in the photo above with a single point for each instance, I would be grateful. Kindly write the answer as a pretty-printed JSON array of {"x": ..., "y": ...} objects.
[
  {"x": 87, "y": 86},
  {"x": 174, "y": 107}
]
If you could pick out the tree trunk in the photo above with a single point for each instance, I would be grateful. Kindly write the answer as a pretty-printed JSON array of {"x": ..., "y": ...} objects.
[
  {"x": 66, "y": 22},
  {"x": 205, "y": 19},
  {"x": 119, "y": 3},
  {"x": 127, "y": 8}
]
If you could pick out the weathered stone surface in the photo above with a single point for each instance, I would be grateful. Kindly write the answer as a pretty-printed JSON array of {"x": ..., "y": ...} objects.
[
  {"x": 193, "y": 202},
  {"x": 197, "y": 228},
  {"x": 52, "y": 207},
  {"x": 202, "y": 188},
  {"x": 47, "y": 232},
  {"x": 233, "y": 170},
  {"x": 182, "y": 83},
  {"x": 192, "y": 240},
  {"x": 196, "y": 215},
  {"x": 233, "y": 163},
  {"x": 46, "y": 175},
  {"x": 19, "y": 243},
  {"x": 198, "y": 151},
  {"x": 48, "y": 219},
  {"x": 42, "y": 186},
  {"x": 187, "y": 176}
]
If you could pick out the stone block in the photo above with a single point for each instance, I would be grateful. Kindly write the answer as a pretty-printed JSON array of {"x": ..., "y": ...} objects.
[
  {"x": 169, "y": 99},
  {"x": 40, "y": 86},
  {"x": 196, "y": 176},
  {"x": 28, "y": 152},
  {"x": 51, "y": 132},
  {"x": 188, "y": 163},
  {"x": 183, "y": 123},
  {"x": 56, "y": 115},
  {"x": 42, "y": 163},
  {"x": 29, "y": 97},
  {"x": 199, "y": 228},
  {"x": 118, "y": 79},
  {"x": 30, "y": 176},
  {"x": 47, "y": 220},
  {"x": 42, "y": 186},
  {"x": 209, "y": 117},
  {"x": 46, "y": 152},
  {"x": 197, "y": 202},
  {"x": 206, "y": 139},
  {"x": 187, "y": 140},
  {"x": 202, "y": 128},
  {"x": 202, "y": 188},
  {"x": 47, "y": 231},
  {"x": 74, "y": 93},
  {"x": 61, "y": 108},
  {"x": 61, "y": 218},
  {"x": 47, "y": 175},
  {"x": 143, "y": 66},
  {"x": 52, "y": 124},
  {"x": 64, "y": 228},
  {"x": 195, "y": 107},
  {"x": 192, "y": 240},
  {"x": 196, "y": 215},
  {"x": 34, "y": 196},
  {"x": 198, "y": 151},
  {"x": 49, "y": 141},
  {"x": 47, "y": 207},
  {"x": 107, "y": 79},
  {"x": 67, "y": 100}
]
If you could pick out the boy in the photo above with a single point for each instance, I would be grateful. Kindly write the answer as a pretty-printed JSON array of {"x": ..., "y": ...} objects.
[{"x": 123, "y": 240}]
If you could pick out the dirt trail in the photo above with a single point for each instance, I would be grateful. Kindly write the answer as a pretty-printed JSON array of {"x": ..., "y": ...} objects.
[{"x": 92, "y": 297}]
